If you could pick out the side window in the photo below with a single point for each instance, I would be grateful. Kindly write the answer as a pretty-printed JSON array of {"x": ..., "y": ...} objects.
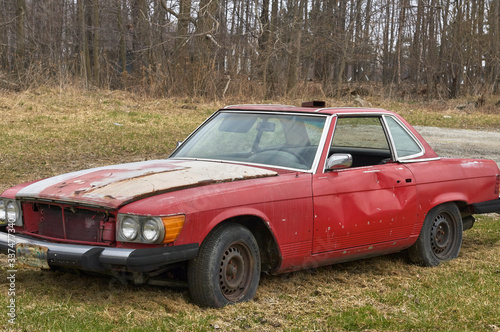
[
  {"x": 404, "y": 143},
  {"x": 364, "y": 132},
  {"x": 363, "y": 138}
]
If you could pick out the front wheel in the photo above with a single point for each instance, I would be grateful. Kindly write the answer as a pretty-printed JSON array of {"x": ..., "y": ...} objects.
[
  {"x": 227, "y": 268},
  {"x": 440, "y": 238}
]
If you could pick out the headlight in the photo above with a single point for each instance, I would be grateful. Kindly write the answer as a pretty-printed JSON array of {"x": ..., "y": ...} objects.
[
  {"x": 155, "y": 230},
  {"x": 10, "y": 212},
  {"x": 152, "y": 229},
  {"x": 3, "y": 213},
  {"x": 129, "y": 228}
]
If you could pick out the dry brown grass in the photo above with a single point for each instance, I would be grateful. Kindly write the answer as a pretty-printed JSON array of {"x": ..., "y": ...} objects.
[
  {"x": 384, "y": 293},
  {"x": 48, "y": 131}
]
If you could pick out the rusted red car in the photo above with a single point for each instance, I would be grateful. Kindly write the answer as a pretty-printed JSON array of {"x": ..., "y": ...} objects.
[{"x": 256, "y": 188}]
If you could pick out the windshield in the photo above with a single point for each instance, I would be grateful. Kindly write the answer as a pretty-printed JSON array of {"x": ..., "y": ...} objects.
[{"x": 282, "y": 140}]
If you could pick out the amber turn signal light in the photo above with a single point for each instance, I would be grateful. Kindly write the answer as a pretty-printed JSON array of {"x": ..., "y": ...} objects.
[{"x": 173, "y": 226}]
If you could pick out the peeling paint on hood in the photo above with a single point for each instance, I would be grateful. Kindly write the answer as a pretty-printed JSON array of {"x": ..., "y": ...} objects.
[{"x": 114, "y": 186}]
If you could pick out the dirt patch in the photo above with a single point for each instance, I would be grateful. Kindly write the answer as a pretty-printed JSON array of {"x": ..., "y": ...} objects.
[{"x": 463, "y": 143}]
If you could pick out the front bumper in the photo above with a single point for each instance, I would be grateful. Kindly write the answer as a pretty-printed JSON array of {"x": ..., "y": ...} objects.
[{"x": 104, "y": 259}]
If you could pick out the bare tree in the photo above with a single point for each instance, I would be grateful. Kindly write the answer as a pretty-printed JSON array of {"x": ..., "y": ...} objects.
[
  {"x": 214, "y": 48},
  {"x": 494, "y": 53},
  {"x": 20, "y": 33},
  {"x": 95, "y": 40}
]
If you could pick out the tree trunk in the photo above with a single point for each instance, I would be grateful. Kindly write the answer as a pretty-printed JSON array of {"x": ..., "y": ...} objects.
[
  {"x": 4, "y": 36},
  {"x": 294, "y": 54},
  {"x": 358, "y": 43},
  {"x": 264, "y": 45},
  {"x": 431, "y": 61},
  {"x": 182, "y": 70},
  {"x": 264, "y": 23},
  {"x": 84, "y": 47},
  {"x": 399, "y": 46},
  {"x": 495, "y": 45},
  {"x": 270, "y": 70},
  {"x": 122, "y": 53},
  {"x": 140, "y": 37},
  {"x": 366, "y": 40},
  {"x": 347, "y": 37},
  {"x": 206, "y": 46},
  {"x": 416, "y": 49},
  {"x": 386, "y": 47},
  {"x": 95, "y": 41},
  {"x": 20, "y": 33},
  {"x": 456, "y": 60}
]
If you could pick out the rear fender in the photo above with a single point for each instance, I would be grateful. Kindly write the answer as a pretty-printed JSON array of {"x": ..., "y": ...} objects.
[{"x": 447, "y": 197}]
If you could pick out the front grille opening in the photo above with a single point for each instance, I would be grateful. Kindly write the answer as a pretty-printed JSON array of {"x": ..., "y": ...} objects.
[
  {"x": 50, "y": 221},
  {"x": 65, "y": 222}
]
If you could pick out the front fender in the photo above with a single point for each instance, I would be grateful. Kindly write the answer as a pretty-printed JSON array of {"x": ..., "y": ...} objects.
[{"x": 235, "y": 213}]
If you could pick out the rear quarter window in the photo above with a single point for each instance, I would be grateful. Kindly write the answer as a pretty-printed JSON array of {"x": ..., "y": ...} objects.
[{"x": 404, "y": 142}]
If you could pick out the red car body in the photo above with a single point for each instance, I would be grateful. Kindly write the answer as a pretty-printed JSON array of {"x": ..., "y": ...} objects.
[{"x": 299, "y": 218}]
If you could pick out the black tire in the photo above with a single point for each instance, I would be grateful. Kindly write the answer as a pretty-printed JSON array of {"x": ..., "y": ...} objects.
[
  {"x": 227, "y": 268},
  {"x": 440, "y": 238}
]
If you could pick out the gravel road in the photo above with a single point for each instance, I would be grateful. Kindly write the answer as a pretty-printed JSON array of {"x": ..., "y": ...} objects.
[{"x": 463, "y": 143}]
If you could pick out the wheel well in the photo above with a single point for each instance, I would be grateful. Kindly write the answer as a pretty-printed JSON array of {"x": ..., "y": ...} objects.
[
  {"x": 270, "y": 255},
  {"x": 464, "y": 208},
  {"x": 466, "y": 213}
]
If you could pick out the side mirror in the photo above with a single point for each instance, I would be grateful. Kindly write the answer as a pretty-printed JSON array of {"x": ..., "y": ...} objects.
[{"x": 338, "y": 161}]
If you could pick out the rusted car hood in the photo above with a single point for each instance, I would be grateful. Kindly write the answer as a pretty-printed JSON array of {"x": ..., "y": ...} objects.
[{"x": 114, "y": 186}]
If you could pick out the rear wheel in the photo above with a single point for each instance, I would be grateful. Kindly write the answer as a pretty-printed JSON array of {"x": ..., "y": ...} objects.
[
  {"x": 440, "y": 238},
  {"x": 227, "y": 268}
]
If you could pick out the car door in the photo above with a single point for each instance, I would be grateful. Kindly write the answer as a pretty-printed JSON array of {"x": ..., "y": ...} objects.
[{"x": 372, "y": 202}]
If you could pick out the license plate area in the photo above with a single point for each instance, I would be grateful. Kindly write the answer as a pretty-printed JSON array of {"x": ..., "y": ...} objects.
[{"x": 32, "y": 255}]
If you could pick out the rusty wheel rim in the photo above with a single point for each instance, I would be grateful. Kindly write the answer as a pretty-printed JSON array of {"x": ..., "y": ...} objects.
[
  {"x": 235, "y": 271},
  {"x": 443, "y": 235}
]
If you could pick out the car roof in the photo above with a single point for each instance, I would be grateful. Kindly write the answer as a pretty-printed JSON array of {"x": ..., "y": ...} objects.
[{"x": 316, "y": 110}]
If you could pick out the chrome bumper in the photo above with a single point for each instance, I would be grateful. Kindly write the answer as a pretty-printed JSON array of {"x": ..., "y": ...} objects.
[{"x": 102, "y": 259}]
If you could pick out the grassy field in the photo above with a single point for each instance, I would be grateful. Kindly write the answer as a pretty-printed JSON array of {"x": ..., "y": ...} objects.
[{"x": 48, "y": 131}]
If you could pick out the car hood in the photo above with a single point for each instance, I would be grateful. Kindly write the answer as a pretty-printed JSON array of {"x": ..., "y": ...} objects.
[{"x": 114, "y": 186}]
